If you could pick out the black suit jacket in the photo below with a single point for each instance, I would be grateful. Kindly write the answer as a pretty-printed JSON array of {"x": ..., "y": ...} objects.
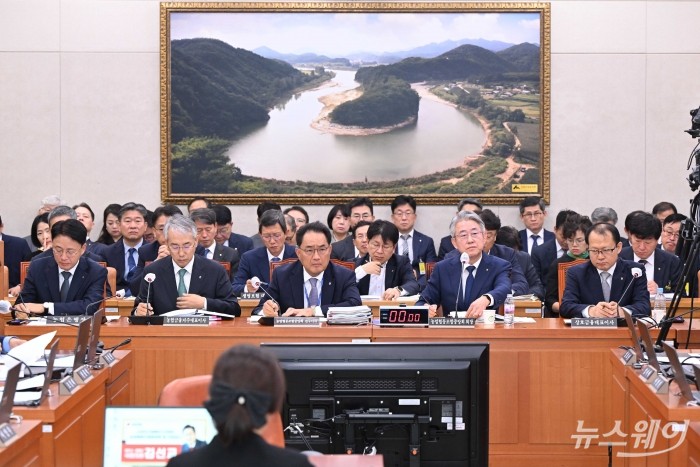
[
  {"x": 445, "y": 247},
  {"x": 224, "y": 254},
  {"x": 16, "y": 251},
  {"x": 523, "y": 238},
  {"x": 240, "y": 243},
  {"x": 148, "y": 252},
  {"x": 338, "y": 289},
  {"x": 398, "y": 273},
  {"x": 583, "y": 288},
  {"x": 209, "y": 279},
  {"x": 519, "y": 284},
  {"x": 249, "y": 452},
  {"x": 86, "y": 286},
  {"x": 533, "y": 279},
  {"x": 254, "y": 263},
  {"x": 114, "y": 256},
  {"x": 667, "y": 268},
  {"x": 542, "y": 258},
  {"x": 343, "y": 250},
  {"x": 423, "y": 252}
]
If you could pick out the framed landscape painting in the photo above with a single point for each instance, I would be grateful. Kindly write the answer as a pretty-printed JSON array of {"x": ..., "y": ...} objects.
[{"x": 317, "y": 103}]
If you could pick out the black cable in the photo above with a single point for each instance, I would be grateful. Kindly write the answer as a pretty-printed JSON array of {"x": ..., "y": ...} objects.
[{"x": 29, "y": 369}]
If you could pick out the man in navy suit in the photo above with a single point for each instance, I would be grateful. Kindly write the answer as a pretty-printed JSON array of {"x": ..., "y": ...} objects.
[
  {"x": 606, "y": 283},
  {"x": 533, "y": 213},
  {"x": 64, "y": 283},
  {"x": 416, "y": 246},
  {"x": 471, "y": 281},
  {"x": 544, "y": 255},
  {"x": 310, "y": 286},
  {"x": 224, "y": 234},
  {"x": 467, "y": 204},
  {"x": 256, "y": 262},
  {"x": 207, "y": 226},
  {"x": 123, "y": 254},
  {"x": 185, "y": 280},
  {"x": 382, "y": 272},
  {"x": 16, "y": 251},
  {"x": 361, "y": 209},
  {"x": 663, "y": 270}
]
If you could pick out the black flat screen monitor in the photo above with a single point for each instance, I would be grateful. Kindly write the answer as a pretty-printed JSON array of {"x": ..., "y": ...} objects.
[{"x": 417, "y": 404}]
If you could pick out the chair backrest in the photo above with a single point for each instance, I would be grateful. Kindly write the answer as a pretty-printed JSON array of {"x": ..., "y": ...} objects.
[
  {"x": 23, "y": 268},
  {"x": 346, "y": 264},
  {"x": 429, "y": 269},
  {"x": 194, "y": 390},
  {"x": 277, "y": 264},
  {"x": 561, "y": 274},
  {"x": 111, "y": 280},
  {"x": 226, "y": 266},
  {"x": 4, "y": 281}
]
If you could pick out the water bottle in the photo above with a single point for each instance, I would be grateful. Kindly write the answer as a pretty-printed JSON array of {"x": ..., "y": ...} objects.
[
  {"x": 509, "y": 310},
  {"x": 659, "y": 310}
]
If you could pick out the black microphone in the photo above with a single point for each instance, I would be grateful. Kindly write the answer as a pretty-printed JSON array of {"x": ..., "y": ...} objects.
[
  {"x": 121, "y": 344},
  {"x": 636, "y": 272},
  {"x": 118, "y": 294}
]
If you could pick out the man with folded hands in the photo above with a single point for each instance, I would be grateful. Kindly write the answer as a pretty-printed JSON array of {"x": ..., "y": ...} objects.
[{"x": 309, "y": 286}]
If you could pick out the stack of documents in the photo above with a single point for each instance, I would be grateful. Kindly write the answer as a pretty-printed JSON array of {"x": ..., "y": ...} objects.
[{"x": 349, "y": 314}]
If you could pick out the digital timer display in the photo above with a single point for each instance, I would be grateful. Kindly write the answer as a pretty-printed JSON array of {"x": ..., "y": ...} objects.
[{"x": 403, "y": 316}]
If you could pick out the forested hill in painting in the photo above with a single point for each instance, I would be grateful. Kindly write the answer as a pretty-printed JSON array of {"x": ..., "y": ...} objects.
[
  {"x": 218, "y": 90},
  {"x": 463, "y": 62}
]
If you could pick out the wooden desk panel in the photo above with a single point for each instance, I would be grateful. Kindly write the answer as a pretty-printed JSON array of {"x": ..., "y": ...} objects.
[{"x": 23, "y": 452}]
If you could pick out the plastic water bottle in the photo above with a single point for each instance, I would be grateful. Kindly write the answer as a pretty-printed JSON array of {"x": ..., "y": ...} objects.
[
  {"x": 509, "y": 310},
  {"x": 659, "y": 310}
]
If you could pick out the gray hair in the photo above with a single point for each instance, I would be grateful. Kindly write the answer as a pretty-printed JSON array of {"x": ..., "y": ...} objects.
[
  {"x": 60, "y": 211},
  {"x": 52, "y": 200},
  {"x": 465, "y": 216},
  {"x": 291, "y": 223},
  {"x": 180, "y": 223},
  {"x": 602, "y": 214}
]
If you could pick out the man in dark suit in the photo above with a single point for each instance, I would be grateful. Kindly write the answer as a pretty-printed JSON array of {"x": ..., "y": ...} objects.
[
  {"x": 16, "y": 251},
  {"x": 416, "y": 246},
  {"x": 310, "y": 286},
  {"x": 671, "y": 232},
  {"x": 472, "y": 280},
  {"x": 663, "y": 270},
  {"x": 606, "y": 283},
  {"x": 256, "y": 262},
  {"x": 533, "y": 214},
  {"x": 508, "y": 236},
  {"x": 206, "y": 222},
  {"x": 382, "y": 272},
  {"x": 361, "y": 209},
  {"x": 86, "y": 216},
  {"x": 544, "y": 255},
  {"x": 224, "y": 234},
  {"x": 123, "y": 254},
  {"x": 185, "y": 280},
  {"x": 64, "y": 283},
  {"x": 467, "y": 204},
  {"x": 262, "y": 209}
]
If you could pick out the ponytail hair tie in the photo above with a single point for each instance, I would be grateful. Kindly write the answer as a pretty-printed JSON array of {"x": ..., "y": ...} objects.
[{"x": 223, "y": 397}]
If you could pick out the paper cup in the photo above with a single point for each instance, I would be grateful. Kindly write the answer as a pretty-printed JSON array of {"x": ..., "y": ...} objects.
[{"x": 489, "y": 317}]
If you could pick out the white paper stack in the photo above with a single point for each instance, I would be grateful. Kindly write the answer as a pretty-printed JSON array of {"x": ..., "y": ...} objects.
[{"x": 349, "y": 314}]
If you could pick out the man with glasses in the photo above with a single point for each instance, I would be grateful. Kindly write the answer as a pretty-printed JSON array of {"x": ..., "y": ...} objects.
[
  {"x": 225, "y": 235},
  {"x": 671, "y": 232},
  {"x": 466, "y": 204},
  {"x": 207, "y": 227},
  {"x": 533, "y": 214},
  {"x": 256, "y": 262},
  {"x": 310, "y": 286},
  {"x": 471, "y": 280},
  {"x": 361, "y": 209},
  {"x": 382, "y": 272},
  {"x": 65, "y": 282},
  {"x": 184, "y": 280},
  {"x": 606, "y": 283},
  {"x": 414, "y": 245}
]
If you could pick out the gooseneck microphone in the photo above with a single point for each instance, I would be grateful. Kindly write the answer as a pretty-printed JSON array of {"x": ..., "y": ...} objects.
[
  {"x": 464, "y": 259},
  {"x": 118, "y": 294},
  {"x": 636, "y": 272},
  {"x": 150, "y": 277},
  {"x": 256, "y": 282}
]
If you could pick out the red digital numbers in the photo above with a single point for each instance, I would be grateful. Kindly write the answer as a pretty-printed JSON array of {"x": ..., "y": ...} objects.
[{"x": 404, "y": 316}]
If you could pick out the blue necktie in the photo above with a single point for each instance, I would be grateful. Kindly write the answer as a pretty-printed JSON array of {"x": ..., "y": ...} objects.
[
  {"x": 313, "y": 295},
  {"x": 469, "y": 286},
  {"x": 130, "y": 264}
]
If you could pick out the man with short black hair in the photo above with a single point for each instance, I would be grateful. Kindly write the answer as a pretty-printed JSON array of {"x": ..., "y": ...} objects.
[
  {"x": 123, "y": 254},
  {"x": 361, "y": 209},
  {"x": 309, "y": 286},
  {"x": 664, "y": 209},
  {"x": 198, "y": 202},
  {"x": 533, "y": 214},
  {"x": 670, "y": 232},
  {"x": 256, "y": 262},
  {"x": 663, "y": 270},
  {"x": 66, "y": 282},
  {"x": 262, "y": 209},
  {"x": 416, "y": 246},
  {"x": 86, "y": 216},
  {"x": 224, "y": 234},
  {"x": 205, "y": 220},
  {"x": 600, "y": 287},
  {"x": 544, "y": 255},
  {"x": 299, "y": 215}
]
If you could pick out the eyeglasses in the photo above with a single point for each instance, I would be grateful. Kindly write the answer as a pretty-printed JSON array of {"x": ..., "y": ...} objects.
[
  {"x": 70, "y": 253},
  {"x": 382, "y": 246},
  {"x": 311, "y": 251},
  {"x": 532, "y": 214},
  {"x": 185, "y": 247},
  {"x": 604, "y": 251},
  {"x": 269, "y": 237},
  {"x": 364, "y": 215},
  {"x": 671, "y": 233},
  {"x": 467, "y": 235},
  {"x": 576, "y": 241},
  {"x": 404, "y": 213}
]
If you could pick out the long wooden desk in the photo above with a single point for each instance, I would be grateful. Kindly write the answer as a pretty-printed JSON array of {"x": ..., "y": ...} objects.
[
  {"x": 644, "y": 417},
  {"x": 22, "y": 452}
]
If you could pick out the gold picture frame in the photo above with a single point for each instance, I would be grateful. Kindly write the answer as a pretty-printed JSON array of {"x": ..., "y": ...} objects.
[{"x": 220, "y": 80}]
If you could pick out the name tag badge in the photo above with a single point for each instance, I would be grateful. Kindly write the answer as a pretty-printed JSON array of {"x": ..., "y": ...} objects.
[{"x": 421, "y": 268}]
